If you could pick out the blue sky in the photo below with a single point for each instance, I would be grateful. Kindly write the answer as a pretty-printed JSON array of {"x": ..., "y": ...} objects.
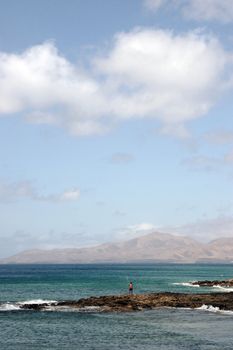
[{"x": 116, "y": 120}]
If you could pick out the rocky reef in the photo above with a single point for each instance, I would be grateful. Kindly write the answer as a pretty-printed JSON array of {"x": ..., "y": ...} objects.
[
  {"x": 126, "y": 303},
  {"x": 226, "y": 283}
]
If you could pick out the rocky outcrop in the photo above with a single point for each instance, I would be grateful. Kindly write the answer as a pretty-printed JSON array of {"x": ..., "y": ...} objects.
[
  {"x": 126, "y": 303},
  {"x": 206, "y": 283}
]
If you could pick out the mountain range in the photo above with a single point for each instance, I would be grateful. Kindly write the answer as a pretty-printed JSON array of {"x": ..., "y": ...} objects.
[{"x": 154, "y": 247}]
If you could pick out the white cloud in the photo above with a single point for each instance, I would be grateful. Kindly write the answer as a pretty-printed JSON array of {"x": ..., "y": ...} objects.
[
  {"x": 154, "y": 5},
  {"x": 70, "y": 195},
  {"x": 40, "y": 80},
  {"x": 25, "y": 189},
  {"x": 170, "y": 77},
  {"x": 200, "y": 10},
  {"x": 145, "y": 226},
  {"x": 133, "y": 231},
  {"x": 220, "y": 10},
  {"x": 146, "y": 74}
]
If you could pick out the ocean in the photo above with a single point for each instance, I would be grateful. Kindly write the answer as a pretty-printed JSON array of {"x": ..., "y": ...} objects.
[{"x": 163, "y": 328}]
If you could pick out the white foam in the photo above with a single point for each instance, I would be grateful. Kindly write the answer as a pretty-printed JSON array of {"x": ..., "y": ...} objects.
[
  {"x": 37, "y": 302},
  {"x": 72, "y": 308},
  {"x": 213, "y": 309},
  {"x": 208, "y": 308},
  {"x": 9, "y": 307},
  {"x": 226, "y": 289},
  {"x": 187, "y": 284}
]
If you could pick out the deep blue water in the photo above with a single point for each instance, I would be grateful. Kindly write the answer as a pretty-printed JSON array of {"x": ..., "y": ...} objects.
[{"x": 157, "y": 329}]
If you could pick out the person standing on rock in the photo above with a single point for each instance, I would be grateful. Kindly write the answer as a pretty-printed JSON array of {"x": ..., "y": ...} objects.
[{"x": 130, "y": 287}]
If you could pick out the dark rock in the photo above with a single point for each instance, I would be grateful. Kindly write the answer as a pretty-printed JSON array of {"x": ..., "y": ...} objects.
[
  {"x": 206, "y": 283},
  {"x": 125, "y": 303},
  {"x": 35, "y": 307}
]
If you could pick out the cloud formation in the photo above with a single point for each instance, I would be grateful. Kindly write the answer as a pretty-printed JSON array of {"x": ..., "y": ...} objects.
[
  {"x": 25, "y": 189},
  {"x": 207, "y": 10},
  {"x": 133, "y": 231},
  {"x": 154, "y": 5},
  {"x": 145, "y": 74},
  {"x": 219, "y": 10}
]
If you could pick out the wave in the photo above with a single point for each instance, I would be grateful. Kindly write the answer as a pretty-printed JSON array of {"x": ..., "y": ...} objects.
[
  {"x": 9, "y": 307},
  {"x": 209, "y": 308},
  {"x": 36, "y": 302},
  {"x": 187, "y": 284},
  {"x": 13, "y": 306},
  {"x": 213, "y": 309},
  {"x": 225, "y": 289},
  {"x": 48, "y": 305}
]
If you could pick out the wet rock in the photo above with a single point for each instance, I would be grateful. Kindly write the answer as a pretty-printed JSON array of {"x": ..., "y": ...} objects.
[
  {"x": 126, "y": 303},
  {"x": 206, "y": 283},
  {"x": 35, "y": 307}
]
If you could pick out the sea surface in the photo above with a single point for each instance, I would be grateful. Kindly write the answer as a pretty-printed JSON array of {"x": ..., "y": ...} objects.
[{"x": 163, "y": 328}]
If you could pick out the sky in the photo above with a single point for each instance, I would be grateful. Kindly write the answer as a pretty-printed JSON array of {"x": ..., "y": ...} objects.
[{"x": 116, "y": 121}]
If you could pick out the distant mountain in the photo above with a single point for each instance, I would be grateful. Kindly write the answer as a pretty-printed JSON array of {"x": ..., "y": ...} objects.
[
  {"x": 222, "y": 248},
  {"x": 154, "y": 247}
]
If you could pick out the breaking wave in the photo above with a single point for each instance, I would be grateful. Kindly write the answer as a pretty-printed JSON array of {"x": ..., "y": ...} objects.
[
  {"x": 225, "y": 289},
  {"x": 48, "y": 305},
  {"x": 186, "y": 284},
  {"x": 37, "y": 302},
  {"x": 213, "y": 309},
  {"x": 9, "y": 307},
  {"x": 21, "y": 305},
  {"x": 51, "y": 305},
  {"x": 189, "y": 284}
]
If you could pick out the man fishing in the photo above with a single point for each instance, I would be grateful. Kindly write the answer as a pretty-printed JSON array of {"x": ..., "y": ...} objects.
[{"x": 131, "y": 288}]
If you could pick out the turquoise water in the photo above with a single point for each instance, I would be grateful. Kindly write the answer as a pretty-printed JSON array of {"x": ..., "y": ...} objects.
[{"x": 158, "y": 329}]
